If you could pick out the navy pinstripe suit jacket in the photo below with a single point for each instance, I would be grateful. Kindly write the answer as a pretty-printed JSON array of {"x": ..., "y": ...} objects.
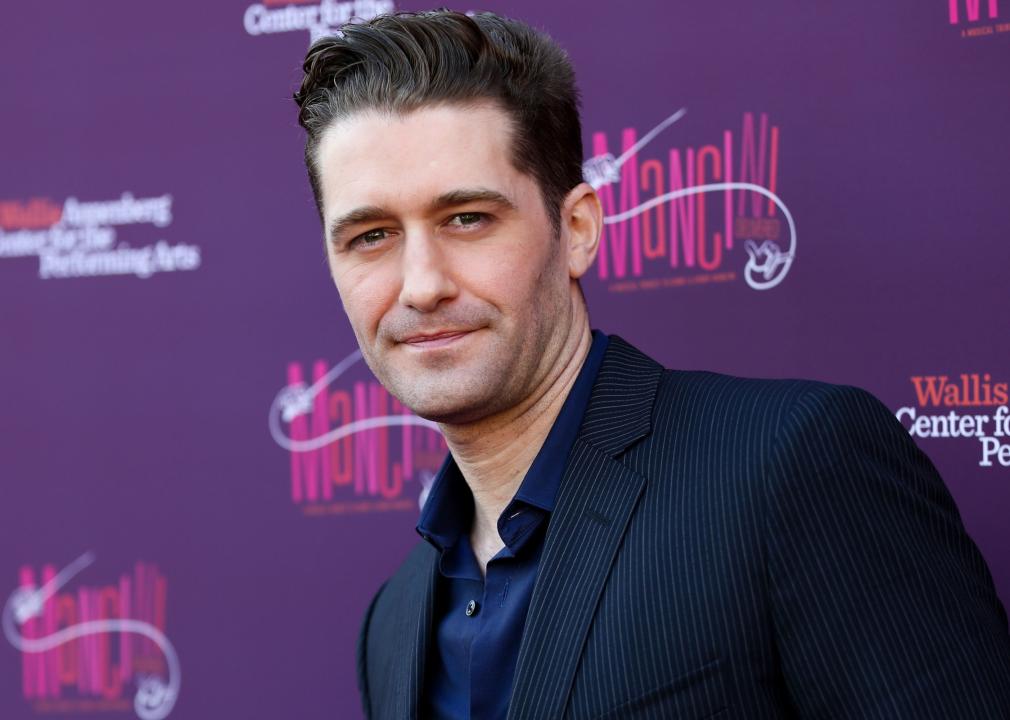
[{"x": 732, "y": 548}]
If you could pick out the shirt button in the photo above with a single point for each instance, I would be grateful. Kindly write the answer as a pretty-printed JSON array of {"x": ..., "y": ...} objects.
[{"x": 471, "y": 608}]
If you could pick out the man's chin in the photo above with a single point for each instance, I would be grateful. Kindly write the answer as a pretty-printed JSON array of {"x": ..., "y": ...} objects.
[
  {"x": 448, "y": 406},
  {"x": 449, "y": 413}
]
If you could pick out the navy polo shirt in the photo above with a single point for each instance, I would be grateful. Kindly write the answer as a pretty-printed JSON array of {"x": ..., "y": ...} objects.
[{"x": 479, "y": 622}]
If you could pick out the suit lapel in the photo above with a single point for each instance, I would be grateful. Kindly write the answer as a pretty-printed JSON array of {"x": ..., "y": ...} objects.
[
  {"x": 595, "y": 502},
  {"x": 416, "y": 630}
]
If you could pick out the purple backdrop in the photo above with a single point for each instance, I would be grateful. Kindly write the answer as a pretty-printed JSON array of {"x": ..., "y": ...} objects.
[{"x": 179, "y": 391}]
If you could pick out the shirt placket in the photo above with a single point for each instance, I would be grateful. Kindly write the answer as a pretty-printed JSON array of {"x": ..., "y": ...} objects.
[{"x": 520, "y": 523}]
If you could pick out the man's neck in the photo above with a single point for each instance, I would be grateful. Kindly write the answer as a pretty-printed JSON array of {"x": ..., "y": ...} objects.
[{"x": 494, "y": 454}]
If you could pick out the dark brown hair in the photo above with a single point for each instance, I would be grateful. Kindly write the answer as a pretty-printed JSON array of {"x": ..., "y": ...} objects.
[{"x": 403, "y": 61}]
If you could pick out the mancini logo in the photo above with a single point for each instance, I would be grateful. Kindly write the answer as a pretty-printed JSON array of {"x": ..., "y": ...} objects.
[
  {"x": 353, "y": 447},
  {"x": 82, "y": 650},
  {"x": 977, "y": 17},
  {"x": 678, "y": 219},
  {"x": 972, "y": 10}
]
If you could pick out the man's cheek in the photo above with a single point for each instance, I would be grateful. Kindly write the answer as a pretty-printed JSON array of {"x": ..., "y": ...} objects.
[{"x": 362, "y": 302}]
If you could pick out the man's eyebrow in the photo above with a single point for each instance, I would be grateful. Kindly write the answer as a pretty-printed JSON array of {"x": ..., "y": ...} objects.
[
  {"x": 469, "y": 195},
  {"x": 357, "y": 216},
  {"x": 373, "y": 213}
]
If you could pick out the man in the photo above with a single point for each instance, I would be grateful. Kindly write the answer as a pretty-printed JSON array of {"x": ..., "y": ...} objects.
[{"x": 606, "y": 538}]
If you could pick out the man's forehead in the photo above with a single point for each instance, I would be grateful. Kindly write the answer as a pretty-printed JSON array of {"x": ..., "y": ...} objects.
[
  {"x": 382, "y": 159},
  {"x": 429, "y": 135}
]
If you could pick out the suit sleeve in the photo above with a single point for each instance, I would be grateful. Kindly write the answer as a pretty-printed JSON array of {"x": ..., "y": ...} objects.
[
  {"x": 882, "y": 605},
  {"x": 362, "y": 656}
]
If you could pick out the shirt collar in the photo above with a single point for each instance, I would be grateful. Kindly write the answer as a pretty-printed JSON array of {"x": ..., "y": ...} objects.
[{"x": 449, "y": 507}]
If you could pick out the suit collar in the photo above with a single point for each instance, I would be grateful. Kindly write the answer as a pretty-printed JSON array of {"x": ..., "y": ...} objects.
[
  {"x": 423, "y": 635},
  {"x": 620, "y": 407},
  {"x": 596, "y": 499},
  {"x": 414, "y": 617}
]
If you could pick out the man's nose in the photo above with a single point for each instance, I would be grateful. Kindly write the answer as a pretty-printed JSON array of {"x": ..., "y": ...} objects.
[{"x": 426, "y": 277}]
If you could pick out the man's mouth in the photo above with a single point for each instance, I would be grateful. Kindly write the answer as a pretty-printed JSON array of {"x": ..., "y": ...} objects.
[{"x": 436, "y": 339}]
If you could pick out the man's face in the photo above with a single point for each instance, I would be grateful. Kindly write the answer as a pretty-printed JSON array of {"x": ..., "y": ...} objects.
[{"x": 446, "y": 262}]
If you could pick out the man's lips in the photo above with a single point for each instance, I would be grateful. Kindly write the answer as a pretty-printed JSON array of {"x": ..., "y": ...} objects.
[{"x": 435, "y": 339}]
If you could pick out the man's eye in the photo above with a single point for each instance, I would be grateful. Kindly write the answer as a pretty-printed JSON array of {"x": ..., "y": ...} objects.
[
  {"x": 467, "y": 219},
  {"x": 369, "y": 238}
]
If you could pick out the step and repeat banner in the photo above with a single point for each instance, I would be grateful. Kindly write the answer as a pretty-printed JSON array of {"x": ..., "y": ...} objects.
[{"x": 202, "y": 483}]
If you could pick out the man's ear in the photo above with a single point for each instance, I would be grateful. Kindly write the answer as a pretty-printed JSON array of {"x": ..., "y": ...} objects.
[{"x": 582, "y": 221}]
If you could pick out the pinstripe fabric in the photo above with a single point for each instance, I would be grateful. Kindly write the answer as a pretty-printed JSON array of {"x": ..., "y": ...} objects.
[
  {"x": 732, "y": 548},
  {"x": 396, "y": 630}
]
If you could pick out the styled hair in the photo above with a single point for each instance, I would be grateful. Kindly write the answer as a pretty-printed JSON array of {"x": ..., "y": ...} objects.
[{"x": 404, "y": 61}]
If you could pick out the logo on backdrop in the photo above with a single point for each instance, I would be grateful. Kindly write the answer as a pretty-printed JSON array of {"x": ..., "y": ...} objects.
[
  {"x": 977, "y": 18},
  {"x": 83, "y": 650},
  {"x": 970, "y": 406},
  {"x": 318, "y": 18},
  {"x": 354, "y": 448},
  {"x": 683, "y": 219},
  {"x": 81, "y": 238}
]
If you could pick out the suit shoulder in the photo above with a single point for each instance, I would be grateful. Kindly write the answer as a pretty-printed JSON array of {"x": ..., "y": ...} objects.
[
  {"x": 697, "y": 405},
  {"x": 797, "y": 430},
  {"x": 757, "y": 399},
  {"x": 747, "y": 393}
]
